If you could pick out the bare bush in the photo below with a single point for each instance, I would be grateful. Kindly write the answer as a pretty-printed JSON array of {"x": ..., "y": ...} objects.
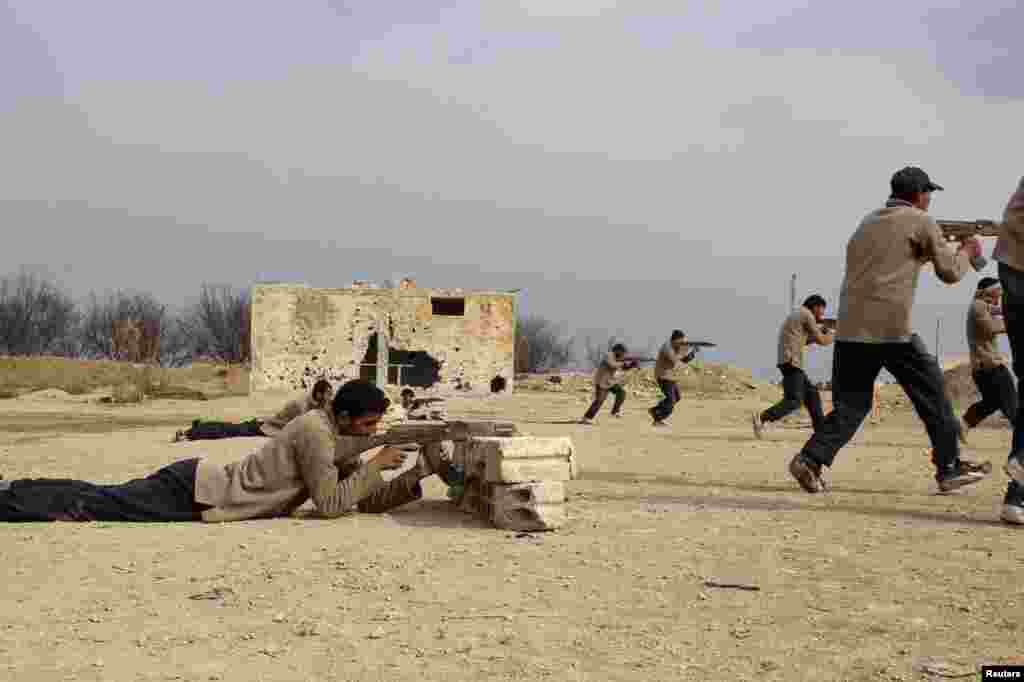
[
  {"x": 36, "y": 317},
  {"x": 133, "y": 327},
  {"x": 219, "y": 324},
  {"x": 546, "y": 347}
]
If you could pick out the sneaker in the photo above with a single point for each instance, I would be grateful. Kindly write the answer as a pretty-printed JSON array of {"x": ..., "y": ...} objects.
[
  {"x": 969, "y": 465},
  {"x": 1015, "y": 467},
  {"x": 963, "y": 474},
  {"x": 179, "y": 436},
  {"x": 758, "y": 425},
  {"x": 807, "y": 473},
  {"x": 616, "y": 415},
  {"x": 1013, "y": 504},
  {"x": 586, "y": 422},
  {"x": 659, "y": 423}
]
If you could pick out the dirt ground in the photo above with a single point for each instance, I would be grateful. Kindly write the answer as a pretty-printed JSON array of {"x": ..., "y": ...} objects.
[{"x": 879, "y": 580}]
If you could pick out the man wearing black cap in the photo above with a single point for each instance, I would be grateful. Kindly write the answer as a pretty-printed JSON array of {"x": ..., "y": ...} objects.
[{"x": 883, "y": 261}]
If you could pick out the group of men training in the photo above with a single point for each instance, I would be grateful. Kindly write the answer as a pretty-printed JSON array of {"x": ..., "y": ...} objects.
[
  {"x": 610, "y": 373},
  {"x": 316, "y": 442},
  {"x": 884, "y": 258}
]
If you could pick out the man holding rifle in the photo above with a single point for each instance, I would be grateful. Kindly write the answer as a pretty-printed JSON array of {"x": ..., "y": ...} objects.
[
  {"x": 988, "y": 367},
  {"x": 801, "y": 328},
  {"x": 671, "y": 355},
  {"x": 883, "y": 261},
  {"x": 315, "y": 456},
  {"x": 608, "y": 379}
]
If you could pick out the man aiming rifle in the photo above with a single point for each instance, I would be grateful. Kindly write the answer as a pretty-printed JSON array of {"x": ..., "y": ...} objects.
[
  {"x": 884, "y": 257},
  {"x": 674, "y": 353},
  {"x": 801, "y": 328},
  {"x": 608, "y": 379}
]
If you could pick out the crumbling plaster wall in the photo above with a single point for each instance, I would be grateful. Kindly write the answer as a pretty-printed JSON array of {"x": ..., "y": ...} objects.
[{"x": 300, "y": 333}]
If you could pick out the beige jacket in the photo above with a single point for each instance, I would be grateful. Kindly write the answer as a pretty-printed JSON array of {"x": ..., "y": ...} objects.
[
  {"x": 294, "y": 408},
  {"x": 299, "y": 463},
  {"x": 609, "y": 372},
  {"x": 982, "y": 332},
  {"x": 668, "y": 360},
  {"x": 798, "y": 330},
  {"x": 883, "y": 260}
]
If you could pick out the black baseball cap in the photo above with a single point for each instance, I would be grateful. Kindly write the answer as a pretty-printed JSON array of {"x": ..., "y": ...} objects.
[{"x": 910, "y": 180}]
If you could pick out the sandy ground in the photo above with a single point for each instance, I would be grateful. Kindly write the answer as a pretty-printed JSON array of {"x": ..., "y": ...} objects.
[{"x": 879, "y": 580}]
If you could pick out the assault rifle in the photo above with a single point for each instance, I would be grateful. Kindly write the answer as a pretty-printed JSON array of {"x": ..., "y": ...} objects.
[
  {"x": 693, "y": 345},
  {"x": 958, "y": 230},
  {"x": 423, "y": 433}
]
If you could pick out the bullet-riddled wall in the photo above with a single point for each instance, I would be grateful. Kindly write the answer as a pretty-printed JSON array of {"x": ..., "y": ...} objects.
[{"x": 445, "y": 337}]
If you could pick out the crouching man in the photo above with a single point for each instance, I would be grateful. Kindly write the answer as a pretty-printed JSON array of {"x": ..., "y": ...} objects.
[{"x": 300, "y": 463}]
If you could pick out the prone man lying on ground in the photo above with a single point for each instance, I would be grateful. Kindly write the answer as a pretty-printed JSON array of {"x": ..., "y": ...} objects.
[
  {"x": 214, "y": 430},
  {"x": 300, "y": 463},
  {"x": 422, "y": 408}
]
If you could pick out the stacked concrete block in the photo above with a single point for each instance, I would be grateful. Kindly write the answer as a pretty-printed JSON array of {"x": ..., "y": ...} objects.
[{"x": 516, "y": 482}]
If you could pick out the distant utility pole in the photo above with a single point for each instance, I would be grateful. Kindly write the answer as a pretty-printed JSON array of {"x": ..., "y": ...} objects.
[
  {"x": 792, "y": 292},
  {"x": 938, "y": 326}
]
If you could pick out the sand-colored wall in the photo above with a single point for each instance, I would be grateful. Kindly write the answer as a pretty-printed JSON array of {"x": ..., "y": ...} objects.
[{"x": 300, "y": 333}]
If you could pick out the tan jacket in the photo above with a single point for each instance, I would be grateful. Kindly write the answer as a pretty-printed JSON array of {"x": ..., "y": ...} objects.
[
  {"x": 294, "y": 408},
  {"x": 609, "y": 372},
  {"x": 883, "y": 260},
  {"x": 299, "y": 463},
  {"x": 982, "y": 332},
  {"x": 668, "y": 359},
  {"x": 1012, "y": 236},
  {"x": 797, "y": 331}
]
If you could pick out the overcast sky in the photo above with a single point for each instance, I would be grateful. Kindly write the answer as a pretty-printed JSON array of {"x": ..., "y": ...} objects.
[{"x": 632, "y": 166}]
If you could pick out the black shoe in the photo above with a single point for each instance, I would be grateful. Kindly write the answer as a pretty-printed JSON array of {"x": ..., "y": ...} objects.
[
  {"x": 807, "y": 473},
  {"x": 962, "y": 474},
  {"x": 1013, "y": 504}
]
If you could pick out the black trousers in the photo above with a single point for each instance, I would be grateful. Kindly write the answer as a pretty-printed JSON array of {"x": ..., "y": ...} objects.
[
  {"x": 215, "y": 430},
  {"x": 601, "y": 394},
  {"x": 797, "y": 390},
  {"x": 1013, "y": 315},
  {"x": 855, "y": 366},
  {"x": 997, "y": 393},
  {"x": 166, "y": 495},
  {"x": 664, "y": 409}
]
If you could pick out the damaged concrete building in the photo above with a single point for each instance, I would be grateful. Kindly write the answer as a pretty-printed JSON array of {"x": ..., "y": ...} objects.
[{"x": 438, "y": 339}]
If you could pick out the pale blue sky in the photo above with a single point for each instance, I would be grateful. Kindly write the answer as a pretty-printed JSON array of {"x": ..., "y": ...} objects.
[{"x": 634, "y": 167}]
